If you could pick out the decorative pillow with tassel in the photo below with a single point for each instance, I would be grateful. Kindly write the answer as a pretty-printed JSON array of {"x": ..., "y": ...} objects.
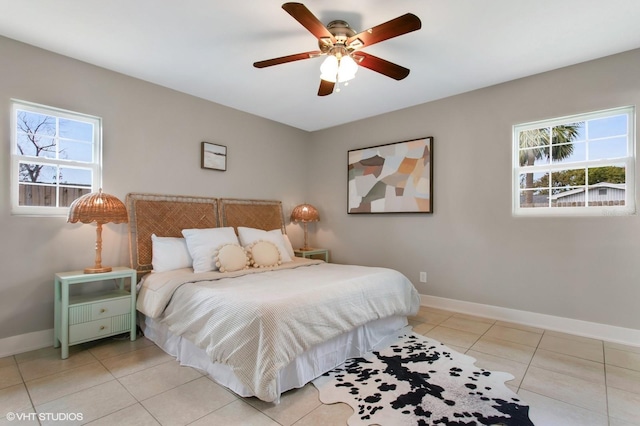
[
  {"x": 264, "y": 254},
  {"x": 231, "y": 257}
]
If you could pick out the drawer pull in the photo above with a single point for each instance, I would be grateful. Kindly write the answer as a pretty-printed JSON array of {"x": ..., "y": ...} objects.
[
  {"x": 102, "y": 327},
  {"x": 103, "y": 310}
]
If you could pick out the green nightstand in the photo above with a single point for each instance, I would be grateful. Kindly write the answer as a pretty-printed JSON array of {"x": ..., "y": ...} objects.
[
  {"x": 83, "y": 318},
  {"x": 312, "y": 253}
]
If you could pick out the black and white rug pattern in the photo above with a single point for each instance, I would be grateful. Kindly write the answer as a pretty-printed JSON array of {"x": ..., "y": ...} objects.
[{"x": 415, "y": 380}]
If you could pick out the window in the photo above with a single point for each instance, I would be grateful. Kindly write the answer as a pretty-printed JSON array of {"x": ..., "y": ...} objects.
[
  {"x": 578, "y": 165},
  {"x": 56, "y": 157}
]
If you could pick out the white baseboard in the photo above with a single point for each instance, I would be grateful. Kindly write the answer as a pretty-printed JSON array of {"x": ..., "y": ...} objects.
[
  {"x": 26, "y": 342},
  {"x": 609, "y": 333}
]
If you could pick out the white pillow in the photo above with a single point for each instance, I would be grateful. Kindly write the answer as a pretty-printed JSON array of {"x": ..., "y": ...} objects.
[
  {"x": 264, "y": 254},
  {"x": 251, "y": 235},
  {"x": 169, "y": 253},
  {"x": 202, "y": 244},
  {"x": 231, "y": 257},
  {"x": 287, "y": 243}
]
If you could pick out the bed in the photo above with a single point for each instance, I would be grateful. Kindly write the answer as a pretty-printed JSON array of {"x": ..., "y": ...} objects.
[{"x": 262, "y": 327}]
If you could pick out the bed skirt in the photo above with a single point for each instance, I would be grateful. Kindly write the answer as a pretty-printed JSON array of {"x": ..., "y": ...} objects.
[{"x": 306, "y": 367}]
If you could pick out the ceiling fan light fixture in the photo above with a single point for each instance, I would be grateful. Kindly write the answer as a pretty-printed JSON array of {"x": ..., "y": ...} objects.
[
  {"x": 348, "y": 69},
  {"x": 337, "y": 70},
  {"x": 329, "y": 69}
]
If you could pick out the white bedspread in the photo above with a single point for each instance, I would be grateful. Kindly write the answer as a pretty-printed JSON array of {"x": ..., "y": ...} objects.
[{"x": 257, "y": 323}]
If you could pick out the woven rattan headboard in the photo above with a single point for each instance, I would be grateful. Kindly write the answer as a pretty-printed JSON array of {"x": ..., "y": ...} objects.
[
  {"x": 165, "y": 216},
  {"x": 261, "y": 214},
  {"x": 168, "y": 215}
]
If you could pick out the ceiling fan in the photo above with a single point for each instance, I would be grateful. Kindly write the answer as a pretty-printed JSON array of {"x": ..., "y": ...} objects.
[{"x": 340, "y": 43}]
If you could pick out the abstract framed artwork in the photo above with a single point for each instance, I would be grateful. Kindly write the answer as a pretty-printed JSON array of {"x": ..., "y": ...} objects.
[
  {"x": 213, "y": 156},
  {"x": 392, "y": 178}
]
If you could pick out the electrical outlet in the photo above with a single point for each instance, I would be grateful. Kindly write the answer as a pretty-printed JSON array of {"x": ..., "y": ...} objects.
[{"x": 423, "y": 277}]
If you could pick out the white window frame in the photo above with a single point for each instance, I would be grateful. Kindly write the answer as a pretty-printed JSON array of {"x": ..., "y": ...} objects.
[
  {"x": 630, "y": 163},
  {"x": 16, "y": 158}
]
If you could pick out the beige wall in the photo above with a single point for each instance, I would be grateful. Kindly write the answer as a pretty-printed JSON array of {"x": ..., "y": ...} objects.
[
  {"x": 471, "y": 247},
  {"x": 152, "y": 141}
]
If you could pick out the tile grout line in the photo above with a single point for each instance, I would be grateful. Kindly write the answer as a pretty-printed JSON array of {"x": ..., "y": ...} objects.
[
  {"x": 492, "y": 325},
  {"x": 606, "y": 387},
  {"x": 24, "y": 385},
  {"x": 309, "y": 413},
  {"x": 137, "y": 402},
  {"x": 26, "y": 388},
  {"x": 480, "y": 337},
  {"x": 55, "y": 372},
  {"x": 531, "y": 360}
]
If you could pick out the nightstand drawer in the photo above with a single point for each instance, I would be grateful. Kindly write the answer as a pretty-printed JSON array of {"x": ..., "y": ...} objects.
[
  {"x": 102, "y": 309},
  {"x": 102, "y": 327},
  {"x": 111, "y": 308}
]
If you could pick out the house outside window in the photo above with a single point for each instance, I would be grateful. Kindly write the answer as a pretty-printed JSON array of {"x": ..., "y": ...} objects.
[
  {"x": 578, "y": 165},
  {"x": 56, "y": 156}
]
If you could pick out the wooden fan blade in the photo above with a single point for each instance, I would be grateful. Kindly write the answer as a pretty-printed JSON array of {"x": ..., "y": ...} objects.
[
  {"x": 288, "y": 58},
  {"x": 326, "y": 88},
  {"x": 396, "y": 27},
  {"x": 382, "y": 66},
  {"x": 300, "y": 13}
]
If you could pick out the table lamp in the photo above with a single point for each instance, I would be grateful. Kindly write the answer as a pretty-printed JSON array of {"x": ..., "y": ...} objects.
[
  {"x": 305, "y": 213},
  {"x": 99, "y": 208}
]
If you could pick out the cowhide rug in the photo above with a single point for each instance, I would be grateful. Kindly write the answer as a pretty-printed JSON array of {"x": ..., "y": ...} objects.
[{"x": 415, "y": 380}]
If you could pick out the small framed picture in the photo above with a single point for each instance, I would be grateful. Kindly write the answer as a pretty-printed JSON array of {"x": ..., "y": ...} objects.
[{"x": 213, "y": 156}]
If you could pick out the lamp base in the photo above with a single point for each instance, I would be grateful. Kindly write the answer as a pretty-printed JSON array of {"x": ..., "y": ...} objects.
[
  {"x": 306, "y": 249},
  {"x": 97, "y": 270}
]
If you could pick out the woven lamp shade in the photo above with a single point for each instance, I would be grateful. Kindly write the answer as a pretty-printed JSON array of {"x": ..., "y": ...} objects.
[
  {"x": 305, "y": 213},
  {"x": 99, "y": 208}
]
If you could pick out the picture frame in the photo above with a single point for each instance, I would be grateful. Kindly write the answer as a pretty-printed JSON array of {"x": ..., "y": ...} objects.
[
  {"x": 213, "y": 156},
  {"x": 391, "y": 178}
]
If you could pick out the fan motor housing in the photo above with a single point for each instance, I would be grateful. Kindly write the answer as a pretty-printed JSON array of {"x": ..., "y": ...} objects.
[{"x": 340, "y": 30}]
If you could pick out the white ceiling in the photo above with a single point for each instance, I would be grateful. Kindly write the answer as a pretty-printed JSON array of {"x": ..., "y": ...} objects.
[{"x": 207, "y": 47}]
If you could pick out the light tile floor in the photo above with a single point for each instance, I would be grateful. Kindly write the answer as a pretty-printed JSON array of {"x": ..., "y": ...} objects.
[{"x": 567, "y": 380}]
